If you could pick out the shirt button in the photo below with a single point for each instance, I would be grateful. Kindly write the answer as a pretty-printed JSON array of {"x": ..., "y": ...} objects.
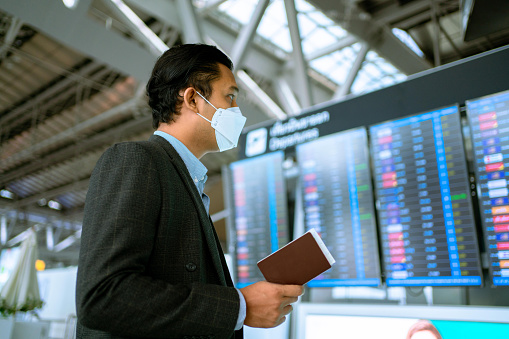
[
  {"x": 191, "y": 267},
  {"x": 195, "y": 179}
]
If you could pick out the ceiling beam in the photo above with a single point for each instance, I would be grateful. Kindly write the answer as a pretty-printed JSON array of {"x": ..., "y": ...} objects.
[
  {"x": 247, "y": 33},
  {"x": 394, "y": 13},
  {"x": 50, "y": 194},
  {"x": 260, "y": 60},
  {"x": 210, "y": 6},
  {"x": 10, "y": 36},
  {"x": 286, "y": 96},
  {"x": 415, "y": 20},
  {"x": 301, "y": 68},
  {"x": 136, "y": 26},
  {"x": 34, "y": 214},
  {"x": 262, "y": 99},
  {"x": 123, "y": 110},
  {"x": 192, "y": 29},
  {"x": 190, "y": 26},
  {"x": 352, "y": 74},
  {"x": 75, "y": 29},
  {"x": 132, "y": 127},
  {"x": 338, "y": 45},
  {"x": 62, "y": 88},
  {"x": 378, "y": 36},
  {"x": 436, "y": 33}
]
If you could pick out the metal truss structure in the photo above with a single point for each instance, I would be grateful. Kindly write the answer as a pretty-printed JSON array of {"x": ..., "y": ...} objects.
[{"x": 72, "y": 83}]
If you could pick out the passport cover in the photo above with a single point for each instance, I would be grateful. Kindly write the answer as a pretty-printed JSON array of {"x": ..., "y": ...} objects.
[{"x": 297, "y": 262}]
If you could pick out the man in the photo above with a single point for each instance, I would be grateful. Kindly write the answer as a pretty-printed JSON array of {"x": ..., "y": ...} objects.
[{"x": 150, "y": 263}]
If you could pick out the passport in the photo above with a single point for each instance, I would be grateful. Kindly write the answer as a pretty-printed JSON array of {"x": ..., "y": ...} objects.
[{"x": 297, "y": 262}]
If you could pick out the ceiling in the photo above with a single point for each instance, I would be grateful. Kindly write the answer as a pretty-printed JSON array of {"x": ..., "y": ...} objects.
[{"x": 72, "y": 84}]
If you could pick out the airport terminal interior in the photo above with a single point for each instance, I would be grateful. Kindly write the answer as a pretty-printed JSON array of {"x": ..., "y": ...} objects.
[{"x": 381, "y": 124}]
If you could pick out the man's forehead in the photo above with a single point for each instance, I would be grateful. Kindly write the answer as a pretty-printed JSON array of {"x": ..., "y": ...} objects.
[{"x": 227, "y": 79}]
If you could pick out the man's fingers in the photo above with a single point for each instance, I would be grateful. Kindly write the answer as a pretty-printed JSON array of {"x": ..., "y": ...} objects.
[
  {"x": 289, "y": 300},
  {"x": 293, "y": 290},
  {"x": 287, "y": 310},
  {"x": 280, "y": 321}
]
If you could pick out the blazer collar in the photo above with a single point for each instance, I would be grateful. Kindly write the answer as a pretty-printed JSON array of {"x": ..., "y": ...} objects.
[{"x": 207, "y": 226}]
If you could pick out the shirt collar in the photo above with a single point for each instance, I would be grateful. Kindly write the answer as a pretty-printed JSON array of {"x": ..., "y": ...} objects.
[{"x": 196, "y": 169}]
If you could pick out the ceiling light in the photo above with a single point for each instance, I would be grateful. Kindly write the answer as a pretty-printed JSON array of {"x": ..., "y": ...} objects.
[
  {"x": 54, "y": 205},
  {"x": 408, "y": 40},
  {"x": 71, "y": 4},
  {"x": 6, "y": 194}
]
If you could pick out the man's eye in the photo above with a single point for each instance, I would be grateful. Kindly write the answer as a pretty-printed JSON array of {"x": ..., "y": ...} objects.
[{"x": 232, "y": 97}]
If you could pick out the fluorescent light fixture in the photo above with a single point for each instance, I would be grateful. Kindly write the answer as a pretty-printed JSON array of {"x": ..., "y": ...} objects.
[
  {"x": 407, "y": 40},
  {"x": 137, "y": 26},
  {"x": 3, "y": 230},
  {"x": 71, "y": 4},
  {"x": 54, "y": 205},
  {"x": 50, "y": 244},
  {"x": 6, "y": 194}
]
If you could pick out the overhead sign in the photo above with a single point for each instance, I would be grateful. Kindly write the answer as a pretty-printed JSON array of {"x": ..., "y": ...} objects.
[{"x": 280, "y": 135}]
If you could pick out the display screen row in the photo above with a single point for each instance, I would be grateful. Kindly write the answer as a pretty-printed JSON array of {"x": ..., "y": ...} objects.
[{"x": 414, "y": 171}]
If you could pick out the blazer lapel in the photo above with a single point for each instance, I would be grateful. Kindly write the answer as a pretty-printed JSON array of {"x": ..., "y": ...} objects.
[{"x": 207, "y": 227}]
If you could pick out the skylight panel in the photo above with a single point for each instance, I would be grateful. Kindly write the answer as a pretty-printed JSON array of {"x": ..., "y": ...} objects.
[
  {"x": 316, "y": 40},
  {"x": 324, "y": 64},
  {"x": 303, "y": 6},
  {"x": 274, "y": 26},
  {"x": 306, "y": 25},
  {"x": 241, "y": 10},
  {"x": 376, "y": 73},
  {"x": 336, "y": 65},
  {"x": 318, "y": 31}
]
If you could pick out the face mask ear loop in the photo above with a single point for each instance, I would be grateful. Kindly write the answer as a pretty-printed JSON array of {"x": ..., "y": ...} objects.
[
  {"x": 204, "y": 117},
  {"x": 206, "y": 100}
]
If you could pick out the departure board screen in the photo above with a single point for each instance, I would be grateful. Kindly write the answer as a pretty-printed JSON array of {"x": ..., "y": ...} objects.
[
  {"x": 489, "y": 123},
  {"x": 261, "y": 225},
  {"x": 423, "y": 201},
  {"x": 337, "y": 192}
]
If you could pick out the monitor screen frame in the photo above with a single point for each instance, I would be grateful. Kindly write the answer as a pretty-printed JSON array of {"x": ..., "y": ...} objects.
[
  {"x": 483, "y": 225},
  {"x": 464, "y": 313},
  {"x": 409, "y": 282},
  {"x": 231, "y": 222},
  {"x": 315, "y": 283}
]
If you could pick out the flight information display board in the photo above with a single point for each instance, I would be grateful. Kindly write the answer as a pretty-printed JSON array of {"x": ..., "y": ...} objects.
[
  {"x": 261, "y": 217},
  {"x": 489, "y": 123},
  {"x": 423, "y": 201},
  {"x": 338, "y": 201}
]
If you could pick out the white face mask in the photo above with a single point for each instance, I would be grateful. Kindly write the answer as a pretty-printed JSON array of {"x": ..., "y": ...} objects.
[{"x": 228, "y": 124}]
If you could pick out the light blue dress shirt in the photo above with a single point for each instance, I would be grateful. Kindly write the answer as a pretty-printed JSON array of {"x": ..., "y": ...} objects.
[{"x": 198, "y": 173}]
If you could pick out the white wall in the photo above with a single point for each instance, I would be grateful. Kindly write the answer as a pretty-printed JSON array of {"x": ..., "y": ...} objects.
[{"x": 57, "y": 288}]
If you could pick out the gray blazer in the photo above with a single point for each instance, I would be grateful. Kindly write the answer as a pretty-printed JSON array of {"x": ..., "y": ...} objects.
[{"x": 150, "y": 263}]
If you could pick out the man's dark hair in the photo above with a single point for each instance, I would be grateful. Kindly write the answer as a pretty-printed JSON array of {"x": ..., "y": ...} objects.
[{"x": 192, "y": 65}]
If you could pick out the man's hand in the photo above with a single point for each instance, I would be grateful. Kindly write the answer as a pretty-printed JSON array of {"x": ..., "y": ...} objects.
[{"x": 268, "y": 304}]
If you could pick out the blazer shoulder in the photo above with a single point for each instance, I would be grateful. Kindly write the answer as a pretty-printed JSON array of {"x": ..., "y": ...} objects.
[{"x": 134, "y": 150}]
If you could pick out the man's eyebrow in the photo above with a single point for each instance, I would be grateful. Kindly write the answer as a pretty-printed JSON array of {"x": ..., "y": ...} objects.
[{"x": 234, "y": 89}]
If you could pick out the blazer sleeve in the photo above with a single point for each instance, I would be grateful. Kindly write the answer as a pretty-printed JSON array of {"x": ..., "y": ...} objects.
[{"x": 120, "y": 224}]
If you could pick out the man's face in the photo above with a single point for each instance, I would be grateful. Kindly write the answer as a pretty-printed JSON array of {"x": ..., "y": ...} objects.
[{"x": 224, "y": 95}]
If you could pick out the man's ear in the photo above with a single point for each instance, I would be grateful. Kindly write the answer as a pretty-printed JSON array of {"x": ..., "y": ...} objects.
[{"x": 189, "y": 99}]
